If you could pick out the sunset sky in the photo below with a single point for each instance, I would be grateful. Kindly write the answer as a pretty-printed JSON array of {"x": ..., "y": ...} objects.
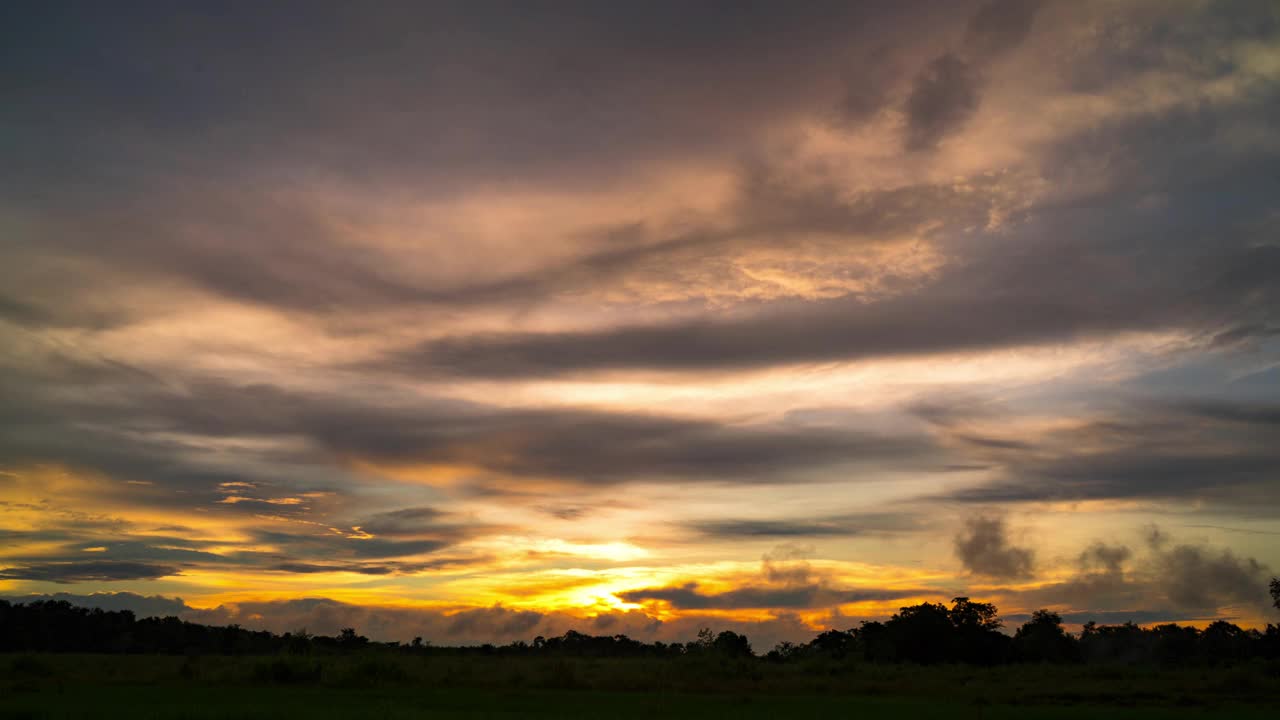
[{"x": 477, "y": 321}]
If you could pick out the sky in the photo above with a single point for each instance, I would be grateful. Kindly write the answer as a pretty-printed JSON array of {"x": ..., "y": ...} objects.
[{"x": 477, "y": 321}]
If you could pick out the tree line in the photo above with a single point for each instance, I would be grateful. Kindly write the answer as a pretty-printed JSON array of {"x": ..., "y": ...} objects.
[{"x": 929, "y": 633}]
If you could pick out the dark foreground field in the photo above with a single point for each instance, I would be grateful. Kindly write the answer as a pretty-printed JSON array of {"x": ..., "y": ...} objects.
[{"x": 392, "y": 686}]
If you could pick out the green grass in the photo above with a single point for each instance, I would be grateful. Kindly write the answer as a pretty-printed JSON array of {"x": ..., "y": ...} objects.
[{"x": 395, "y": 686}]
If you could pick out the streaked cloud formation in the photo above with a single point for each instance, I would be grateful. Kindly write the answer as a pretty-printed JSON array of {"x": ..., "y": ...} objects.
[{"x": 476, "y": 322}]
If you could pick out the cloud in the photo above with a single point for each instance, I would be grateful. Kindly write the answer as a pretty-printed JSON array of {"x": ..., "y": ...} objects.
[
  {"x": 788, "y": 582},
  {"x": 1108, "y": 559},
  {"x": 569, "y": 445},
  {"x": 830, "y": 526},
  {"x": 87, "y": 571},
  {"x": 387, "y": 568},
  {"x": 578, "y": 202},
  {"x": 1008, "y": 299},
  {"x": 943, "y": 97},
  {"x": 405, "y": 522},
  {"x": 473, "y": 626},
  {"x": 1171, "y": 579},
  {"x": 946, "y": 92},
  {"x": 998, "y": 27},
  {"x": 689, "y": 597},
  {"x": 983, "y": 547},
  {"x": 1220, "y": 451},
  {"x": 140, "y": 605},
  {"x": 1197, "y": 577},
  {"x": 665, "y": 83}
]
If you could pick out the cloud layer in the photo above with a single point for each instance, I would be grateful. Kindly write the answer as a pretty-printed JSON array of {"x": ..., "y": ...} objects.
[{"x": 578, "y": 312}]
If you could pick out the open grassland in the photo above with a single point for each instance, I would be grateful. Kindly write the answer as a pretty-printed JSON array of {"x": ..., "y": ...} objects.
[{"x": 395, "y": 686}]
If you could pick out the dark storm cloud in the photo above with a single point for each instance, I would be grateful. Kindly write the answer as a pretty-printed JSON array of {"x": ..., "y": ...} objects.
[
  {"x": 87, "y": 571},
  {"x": 984, "y": 548}
]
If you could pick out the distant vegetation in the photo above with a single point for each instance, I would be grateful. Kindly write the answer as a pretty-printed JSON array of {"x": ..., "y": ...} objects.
[
  {"x": 927, "y": 661},
  {"x": 968, "y": 632}
]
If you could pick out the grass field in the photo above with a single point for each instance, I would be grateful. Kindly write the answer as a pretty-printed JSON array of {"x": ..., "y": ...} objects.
[{"x": 393, "y": 687}]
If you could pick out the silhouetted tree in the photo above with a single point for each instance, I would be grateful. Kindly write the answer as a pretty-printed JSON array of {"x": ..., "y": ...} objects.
[
  {"x": 920, "y": 633},
  {"x": 834, "y": 643},
  {"x": 968, "y": 615},
  {"x": 1113, "y": 643},
  {"x": 1042, "y": 639},
  {"x": 706, "y": 638},
  {"x": 1223, "y": 642},
  {"x": 875, "y": 641},
  {"x": 1174, "y": 644},
  {"x": 785, "y": 650},
  {"x": 927, "y": 633},
  {"x": 349, "y": 640},
  {"x": 976, "y": 637},
  {"x": 1275, "y": 592},
  {"x": 731, "y": 644}
]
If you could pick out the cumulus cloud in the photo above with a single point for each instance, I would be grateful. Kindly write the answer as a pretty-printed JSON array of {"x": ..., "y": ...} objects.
[
  {"x": 1169, "y": 579},
  {"x": 1198, "y": 577},
  {"x": 984, "y": 548}
]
